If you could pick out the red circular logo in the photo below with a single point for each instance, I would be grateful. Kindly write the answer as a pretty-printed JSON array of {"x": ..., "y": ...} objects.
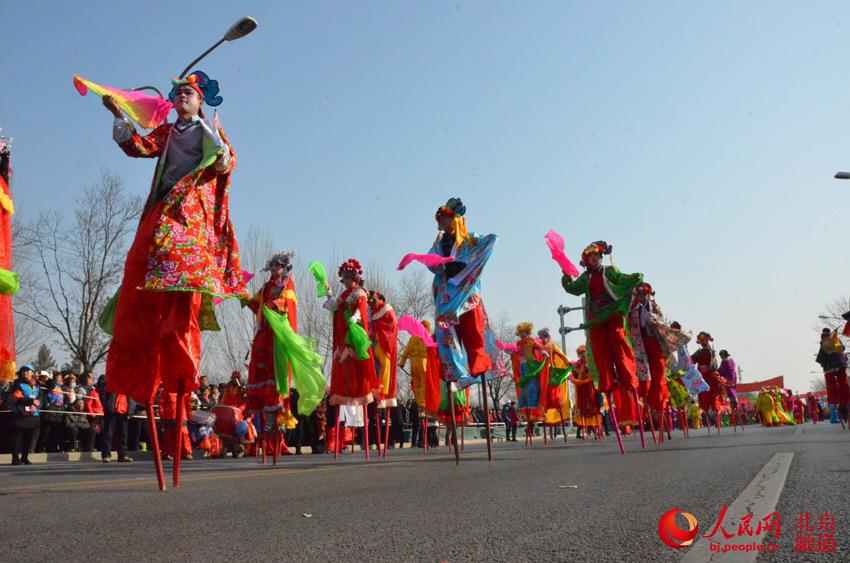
[{"x": 670, "y": 532}]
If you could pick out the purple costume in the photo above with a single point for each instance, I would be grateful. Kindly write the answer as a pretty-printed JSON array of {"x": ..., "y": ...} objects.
[{"x": 729, "y": 371}]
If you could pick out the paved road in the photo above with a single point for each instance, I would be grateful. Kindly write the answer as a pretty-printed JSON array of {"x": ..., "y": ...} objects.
[{"x": 417, "y": 507}]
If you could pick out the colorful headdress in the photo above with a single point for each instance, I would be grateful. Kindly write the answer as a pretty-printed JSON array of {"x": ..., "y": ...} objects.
[
  {"x": 599, "y": 247},
  {"x": 582, "y": 349},
  {"x": 455, "y": 209},
  {"x": 544, "y": 333},
  {"x": 235, "y": 375},
  {"x": 206, "y": 87},
  {"x": 351, "y": 269},
  {"x": 645, "y": 288},
  {"x": 283, "y": 258},
  {"x": 454, "y": 206},
  {"x": 704, "y": 338},
  {"x": 524, "y": 328}
]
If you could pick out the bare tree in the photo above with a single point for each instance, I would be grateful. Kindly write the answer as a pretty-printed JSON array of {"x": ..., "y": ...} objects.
[
  {"x": 75, "y": 266},
  {"x": 834, "y": 310},
  {"x": 502, "y": 387},
  {"x": 28, "y": 334}
]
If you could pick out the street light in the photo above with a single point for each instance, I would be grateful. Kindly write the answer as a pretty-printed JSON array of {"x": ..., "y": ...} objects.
[{"x": 238, "y": 30}]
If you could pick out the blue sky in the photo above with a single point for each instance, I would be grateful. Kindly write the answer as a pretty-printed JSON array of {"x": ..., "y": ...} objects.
[{"x": 699, "y": 138}]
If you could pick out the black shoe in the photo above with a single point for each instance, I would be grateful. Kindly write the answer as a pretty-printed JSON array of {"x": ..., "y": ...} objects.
[
  {"x": 17, "y": 462},
  {"x": 125, "y": 459},
  {"x": 298, "y": 451},
  {"x": 26, "y": 461},
  {"x": 106, "y": 459}
]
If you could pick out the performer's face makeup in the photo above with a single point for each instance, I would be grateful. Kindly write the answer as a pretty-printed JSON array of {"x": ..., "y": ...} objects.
[
  {"x": 594, "y": 260},
  {"x": 444, "y": 222},
  {"x": 348, "y": 282},
  {"x": 187, "y": 102}
]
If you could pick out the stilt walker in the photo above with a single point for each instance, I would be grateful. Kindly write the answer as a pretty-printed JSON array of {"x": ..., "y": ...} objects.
[
  {"x": 264, "y": 399},
  {"x": 652, "y": 341},
  {"x": 557, "y": 371},
  {"x": 416, "y": 353},
  {"x": 706, "y": 362},
  {"x": 184, "y": 252},
  {"x": 609, "y": 294},
  {"x": 9, "y": 285},
  {"x": 587, "y": 413},
  {"x": 353, "y": 378},
  {"x": 833, "y": 361},
  {"x": 465, "y": 342},
  {"x": 384, "y": 326},
  {"x": 531, "y": 379}
]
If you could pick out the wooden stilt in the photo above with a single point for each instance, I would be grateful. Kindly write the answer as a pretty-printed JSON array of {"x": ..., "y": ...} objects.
[
  {"x": 717, "y": 421},
  {"x": 154, "y": 445},
  {"x": 453, "y": 421},
  {"x": 612, "y": 411},
  {"x": 386, "y": 430},
  {"x": 661, "y": 424},
  {"x": 336, "y": 436},
  {"x": 668, "y": 412},
  {"x": 425, "y": 434},
  {"x": 487, "y": 434},
  {"x": 366, "y": 429},
  {"x": 563, "y": 425},
  {"x": 276, "y": 443},
  {"x": 651, "y": 423},
  {"x": 462, "y": 433},
  {"x": 640, "y": 419},
  {"x": 264, "y": 437},
  {"x": 178, "y": 442}
]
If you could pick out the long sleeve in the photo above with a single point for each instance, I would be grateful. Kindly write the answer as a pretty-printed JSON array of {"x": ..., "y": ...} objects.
[
  {"x": 406, "y": 354},
  {"x": 133, "y": 144},
  {"x": 576, "y": 286}
]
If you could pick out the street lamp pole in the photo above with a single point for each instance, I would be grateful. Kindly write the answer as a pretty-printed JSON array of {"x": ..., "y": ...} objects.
[{"x": 238, "y": 30}]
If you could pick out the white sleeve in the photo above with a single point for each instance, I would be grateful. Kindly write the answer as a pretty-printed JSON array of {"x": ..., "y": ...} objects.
[
  {"x": 224, "y": 161},
  {"x": 122, "y": 131},
  {"x": 330, "y": 304}
]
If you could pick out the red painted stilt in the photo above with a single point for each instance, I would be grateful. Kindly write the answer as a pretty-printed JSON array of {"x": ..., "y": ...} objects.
[
  {"x": 613, "y": 411},
  {"x": 178, "y": 442},
  {"x": 336, "y": 436},
  {"x": 366, "y": 429},
  {"x": 154, "y": 444}
]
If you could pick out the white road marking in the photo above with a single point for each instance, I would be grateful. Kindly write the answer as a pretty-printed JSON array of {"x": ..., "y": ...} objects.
[{"x": 759, "y": 499}]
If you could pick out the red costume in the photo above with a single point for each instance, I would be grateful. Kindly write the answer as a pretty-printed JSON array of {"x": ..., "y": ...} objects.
[
  {"x": 706, "y": 363},
  {"x": 353, "y": 380},
  {"x": 7, "y": 323},
  {"x": 279, "y": 296},
  {"x": 384, "y": 327},
  {"x": 587, "y": 413},
  {"x": 184, "y": 253},
  {"x": 234, "y": 394}
]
